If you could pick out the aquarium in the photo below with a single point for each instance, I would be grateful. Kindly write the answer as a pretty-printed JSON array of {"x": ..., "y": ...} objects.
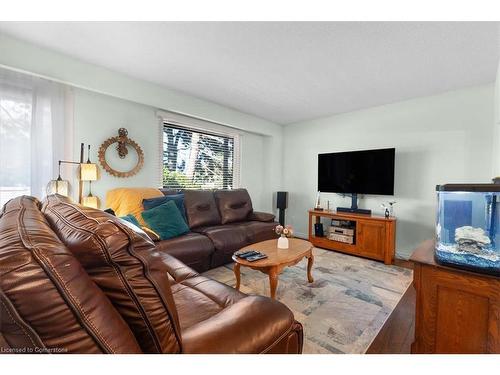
[{"x": 467, "y": 230}]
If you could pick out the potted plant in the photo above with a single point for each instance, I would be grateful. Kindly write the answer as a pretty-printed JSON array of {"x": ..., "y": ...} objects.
[{"x": 284, "y": 232}]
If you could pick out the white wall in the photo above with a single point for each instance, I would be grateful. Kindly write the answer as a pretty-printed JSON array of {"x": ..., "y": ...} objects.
[
  {"x": 440, "y": 139},
  {"x": 98, "y": 117}
]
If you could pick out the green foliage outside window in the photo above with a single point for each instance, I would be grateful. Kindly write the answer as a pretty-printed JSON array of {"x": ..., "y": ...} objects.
[{"x": 195, "y": 160}]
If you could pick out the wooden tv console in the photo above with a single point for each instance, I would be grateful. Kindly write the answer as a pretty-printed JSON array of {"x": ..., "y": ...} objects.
[{"x": 375, "y": 236}]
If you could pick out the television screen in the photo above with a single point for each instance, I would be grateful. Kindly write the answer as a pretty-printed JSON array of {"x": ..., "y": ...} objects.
[{"x": 361, "y": 172}]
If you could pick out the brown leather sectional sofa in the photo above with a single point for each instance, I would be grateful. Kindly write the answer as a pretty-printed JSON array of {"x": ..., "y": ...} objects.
[
  {"x": 77, "y": 280},
  {"x": 221, "y": 222}
]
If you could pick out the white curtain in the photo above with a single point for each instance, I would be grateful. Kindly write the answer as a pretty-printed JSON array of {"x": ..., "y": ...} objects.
[{"x": 35, "y": 133}]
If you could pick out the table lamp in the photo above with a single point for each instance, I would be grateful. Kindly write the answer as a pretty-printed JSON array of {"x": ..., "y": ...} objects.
[
  {"x": 88, "y": 172},
  {"x": 90, "y": 200},
  {"x": 58, "y": 186}
]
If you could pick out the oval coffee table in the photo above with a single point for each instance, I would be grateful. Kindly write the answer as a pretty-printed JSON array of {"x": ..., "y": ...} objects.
[{"x": 276, "y": 260}]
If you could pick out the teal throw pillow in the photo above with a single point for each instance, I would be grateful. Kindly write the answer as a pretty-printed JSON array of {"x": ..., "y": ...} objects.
[
  {"x": 177, "y": 198},
  {"x": 131, "y": 219},
  {"x": 166, "y": 220}
]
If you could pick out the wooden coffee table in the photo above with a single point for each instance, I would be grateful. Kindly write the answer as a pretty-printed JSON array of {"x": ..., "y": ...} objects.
[{"x": 276, "y": 260}]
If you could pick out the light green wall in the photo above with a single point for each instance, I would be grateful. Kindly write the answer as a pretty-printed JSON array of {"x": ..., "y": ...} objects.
[
  {"x": 98, "y": 117},
  {"x": 439, "y": 139}
]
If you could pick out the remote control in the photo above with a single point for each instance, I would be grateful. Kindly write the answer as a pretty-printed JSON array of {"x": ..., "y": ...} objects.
[
  {"x": 256, "y": 257},
  {"x": 243, "y": 253},
  {"x": 248, "y": 254}
]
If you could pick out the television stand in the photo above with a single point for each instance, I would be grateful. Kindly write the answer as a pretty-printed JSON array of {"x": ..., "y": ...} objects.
[
  {"x": 354, "y": 207},
  {"x": 374, "y": 236}
]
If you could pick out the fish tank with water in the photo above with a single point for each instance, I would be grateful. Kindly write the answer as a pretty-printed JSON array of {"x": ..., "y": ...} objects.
[{"x": 468, "y": 227}]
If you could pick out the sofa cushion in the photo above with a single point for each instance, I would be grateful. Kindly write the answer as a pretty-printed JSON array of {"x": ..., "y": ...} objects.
[
  {"x": 178, "y": 199},
  {"x": 194, "y": 249},
  {"x": 199, "y": 298},
  {"x": 166, "y": 220},
  {"x": 201, "y": 208},
  {"x": 226, "y": 239},
  {"x": 229, "y": 331},
  {"x": 176, "y": 269},
  {"x": 234, "y": 205},
  {"x": 216, "y": 318},
  {"x": 127, "y": 267},
  {"x": 261, "y": 216},
  {"x": 258, "y": 231},
  {"x": 48, "y": 303}
]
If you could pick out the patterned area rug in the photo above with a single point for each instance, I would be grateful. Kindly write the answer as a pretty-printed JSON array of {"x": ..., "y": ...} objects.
[{"x": 343, "y": 309}]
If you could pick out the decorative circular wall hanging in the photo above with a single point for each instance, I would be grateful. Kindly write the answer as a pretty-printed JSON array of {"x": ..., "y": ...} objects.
[{"x": 122, "y": 141}]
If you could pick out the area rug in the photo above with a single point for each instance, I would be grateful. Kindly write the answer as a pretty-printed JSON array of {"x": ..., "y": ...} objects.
[{"x": 345, "y": 307}]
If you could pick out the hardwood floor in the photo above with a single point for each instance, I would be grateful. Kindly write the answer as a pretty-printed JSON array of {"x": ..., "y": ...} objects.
[
  {"x": 403, "y": 263},
  {"x": 397, "y": 334}
]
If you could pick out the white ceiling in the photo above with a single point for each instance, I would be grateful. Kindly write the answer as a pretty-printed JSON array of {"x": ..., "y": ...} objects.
[{"x": 284, "y": 71}]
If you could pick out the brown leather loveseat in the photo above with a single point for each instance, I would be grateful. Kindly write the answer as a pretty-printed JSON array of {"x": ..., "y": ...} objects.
[
  {"x": 221, "y": 222},
  {"x": 77, "y": 280}
]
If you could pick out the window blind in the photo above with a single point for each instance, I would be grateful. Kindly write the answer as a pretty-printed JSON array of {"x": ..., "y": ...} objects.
[{"x": 195, "y": 159}]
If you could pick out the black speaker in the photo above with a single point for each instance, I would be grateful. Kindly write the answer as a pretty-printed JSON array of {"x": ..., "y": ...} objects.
[
  {"x": 318, "y": 230},
  {"x": 282, "y": 204},
  {"x": 282, "y": 200}
]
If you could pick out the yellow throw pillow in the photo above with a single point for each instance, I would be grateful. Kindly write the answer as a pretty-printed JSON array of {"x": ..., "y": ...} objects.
[{"x": 125, "y": 201}]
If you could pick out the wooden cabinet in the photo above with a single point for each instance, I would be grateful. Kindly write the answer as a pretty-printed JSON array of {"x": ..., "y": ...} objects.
[
  {"x": 456, "y": 311},
  {"x": 374, "y": 239},
  {"x": 370, "y": 238}
]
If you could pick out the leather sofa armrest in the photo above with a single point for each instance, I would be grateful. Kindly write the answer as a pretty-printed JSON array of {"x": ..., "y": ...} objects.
[
  {"x": 253, "y": 325},
  {"x": 178, "y": 270},
  {"x": 261, "y": 216}
]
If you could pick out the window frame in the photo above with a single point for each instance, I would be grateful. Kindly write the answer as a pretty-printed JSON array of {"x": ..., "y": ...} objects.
[{"x": 199, "y": 126}]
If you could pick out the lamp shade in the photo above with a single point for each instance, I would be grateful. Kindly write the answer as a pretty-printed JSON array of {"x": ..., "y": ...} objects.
[
  {"x": 88, "y": 172},
  {"x": 58, "y": 186},
  {"x": 90, "y": 201}
]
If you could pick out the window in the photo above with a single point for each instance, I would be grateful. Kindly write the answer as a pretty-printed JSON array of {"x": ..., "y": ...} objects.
[
  {"x": 15, "y": 139},
  {"x": 34, "y": 134},
  {"x": 195, "y": 159}
]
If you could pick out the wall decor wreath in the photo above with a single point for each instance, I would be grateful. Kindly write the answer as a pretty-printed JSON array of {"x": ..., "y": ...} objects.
[{"x": 122, "y": 141}]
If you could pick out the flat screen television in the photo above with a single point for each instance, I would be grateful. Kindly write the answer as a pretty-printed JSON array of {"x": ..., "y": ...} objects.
[{"x": 357, "y": 172}]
